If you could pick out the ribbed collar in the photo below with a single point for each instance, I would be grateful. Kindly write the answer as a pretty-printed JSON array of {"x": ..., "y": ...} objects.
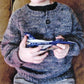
[{"x": 43, "y": 8}]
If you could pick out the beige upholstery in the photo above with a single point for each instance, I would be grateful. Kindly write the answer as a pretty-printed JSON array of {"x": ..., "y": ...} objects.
[
  {"x": 19, "y": 3},
  {"x": 5, "y": 11}
]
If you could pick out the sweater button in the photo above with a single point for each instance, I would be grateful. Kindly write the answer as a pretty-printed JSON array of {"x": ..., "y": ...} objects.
[{"x": 47, "y": 21}]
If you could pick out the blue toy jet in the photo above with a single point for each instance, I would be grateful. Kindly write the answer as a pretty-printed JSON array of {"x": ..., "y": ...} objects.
[{"x": 32, "y": 42}]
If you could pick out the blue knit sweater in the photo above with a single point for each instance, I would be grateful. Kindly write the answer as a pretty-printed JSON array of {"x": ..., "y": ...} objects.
[{"x": 43, "y": 22}]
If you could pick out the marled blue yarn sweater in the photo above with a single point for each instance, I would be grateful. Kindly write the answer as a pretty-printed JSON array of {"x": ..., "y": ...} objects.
[{"x": 44, "y": 22}]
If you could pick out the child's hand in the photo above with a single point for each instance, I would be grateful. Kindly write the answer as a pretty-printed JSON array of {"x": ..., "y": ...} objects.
[
  {"x": 31, "y": 55},
  {"x": 61, "y": 50}
]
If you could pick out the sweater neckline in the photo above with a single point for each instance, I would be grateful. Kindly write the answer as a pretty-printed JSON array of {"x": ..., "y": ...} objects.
[{"x": 43, "y": 8}]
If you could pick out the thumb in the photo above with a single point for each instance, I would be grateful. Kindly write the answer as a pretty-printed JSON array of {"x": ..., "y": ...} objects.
[{"x": 23, "y": 42}]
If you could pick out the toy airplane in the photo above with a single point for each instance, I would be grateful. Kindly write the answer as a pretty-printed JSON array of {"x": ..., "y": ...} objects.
[{"x": 32, "y": 42}]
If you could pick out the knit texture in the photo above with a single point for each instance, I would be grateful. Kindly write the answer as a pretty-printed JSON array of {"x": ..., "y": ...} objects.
[{"x": 43, "y": 25}]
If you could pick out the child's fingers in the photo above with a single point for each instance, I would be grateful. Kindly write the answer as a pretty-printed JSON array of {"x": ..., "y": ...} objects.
[
  {"x": 36, "y": 49},
  {"x": 39, "y": 53},
  {"x": 62, "y": 46},
  {"x": 40, "y": 57},
  {"x": 23, "y": 42}
]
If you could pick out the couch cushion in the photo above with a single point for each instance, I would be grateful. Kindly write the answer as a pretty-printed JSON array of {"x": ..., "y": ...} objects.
[
  {"x": 4, "y": 15},
  {"x": 19, "y": 3}
]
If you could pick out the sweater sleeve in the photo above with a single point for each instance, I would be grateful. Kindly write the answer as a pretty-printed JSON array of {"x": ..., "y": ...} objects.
[
  {"x": 10, "y": 43},
  {"x": 76, "y": 36}
]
